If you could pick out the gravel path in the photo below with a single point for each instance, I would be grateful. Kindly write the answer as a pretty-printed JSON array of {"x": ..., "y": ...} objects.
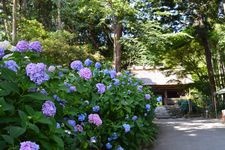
[{"x": 190, "y": 134}]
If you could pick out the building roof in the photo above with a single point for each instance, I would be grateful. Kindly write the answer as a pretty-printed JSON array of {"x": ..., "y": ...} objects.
[{"x": 158, "y": 77}]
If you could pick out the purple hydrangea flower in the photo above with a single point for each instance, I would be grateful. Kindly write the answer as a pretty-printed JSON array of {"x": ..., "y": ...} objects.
[
  {"x": 126, "y": 127},
  {"x": 11, "y": 64},
  {"x": 72, "y": 122},
  {"x": 81, "y": 117},
  {"x": 112, "y": 74},
  {"x": 147, "y": 96},
  {"x": 37, "y": 72},
  {"x": 72, "y": 89},
  {"x": 101, "y": 88},
  {"x": 108, "y": 146},
  {"x": 76, "y": 65},
  {"x": 134, "y": 118},
  {"x": 79, "y": 128},
  {"x": 35, "y": 46},
  {"x": 88, "y": 62},
  {"x": 96, "y": 108},
  {"x": 43, "y": 91},
  {"x": 98, "y": 65},
  {"x": 2, "y": 52},
  {"x": 85, "y": 73},
  {"x": 28, "y": 145},
  {"x": 94, "y": 119},
  {"x": 148, "y": 107},
  {"x": 22, "y": 46},
  {"x": 49, "y": 109}
]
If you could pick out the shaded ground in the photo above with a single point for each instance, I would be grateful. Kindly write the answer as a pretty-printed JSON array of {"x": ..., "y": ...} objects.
[{"x": 190, "y": 134}]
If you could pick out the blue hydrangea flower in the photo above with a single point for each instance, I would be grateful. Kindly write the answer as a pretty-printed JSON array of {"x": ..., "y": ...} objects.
[
  {"x": 159, "y": 99},
  {"x": 134, "y": 118},
  {"x": 28, "y": 145},
  {"x": 60, "y": 74},
  {"x": 147, "y": 96},
  {"x": 88, "y": 62},
  {"x": 2, "y": 52},
  {"x": 35, "y": 46},
  {"x": 81, "y": 117},
  {"x": 96, "y": 108},
  {"x": 112, "y": 74},
  {"x": 109, "y": 139},
  {"x": 37, "y": 73},
  {"x": 11, "y": 64},
  {"x": 139, "y": 88},
  {"x": 71, "y": 122},
  {"x": 98, "y": 65},
  {"x": 49, "y": 109},
  {"x": 148, "y": 107},
  {"x": 119, "y": 148},
  {"x": 116, "y": 82},
  {"x": 101, "y": 88},
  {"x": 43, "y": 91},
  {"x": 126, "y": 127},
  {"x": 93, "y": 139},
  {"x": 108, "y": 146},
  {"x": 114, "y": 136},
  {"x": 22, "y": 46},
  {"x": 129, "y": 92},
  {"x": 58, "y": 125},
  {"x": 76, "y": 65},
  {"x": 106, "y": 72}
]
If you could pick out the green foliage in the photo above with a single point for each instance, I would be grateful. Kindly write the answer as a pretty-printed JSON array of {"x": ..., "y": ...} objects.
[
  {"x": 31, "y": 29},
  {"x": 21, "y": 100}
]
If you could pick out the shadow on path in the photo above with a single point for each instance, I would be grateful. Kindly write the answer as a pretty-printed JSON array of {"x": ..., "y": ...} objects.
[{"x": 190, "y": 134}]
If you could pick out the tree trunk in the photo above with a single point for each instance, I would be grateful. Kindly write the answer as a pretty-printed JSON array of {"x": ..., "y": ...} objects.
[
  {"x": 208, "y": 57},
  {"x": 59, "y": 22},
  {"x": 117, "y": 46},
  {"x": 5, "y": 20},
  {"x": 14, "y": 21}
]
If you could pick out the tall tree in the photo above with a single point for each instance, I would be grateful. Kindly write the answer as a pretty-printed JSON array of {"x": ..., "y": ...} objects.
[{"x": 14, "y": 20}]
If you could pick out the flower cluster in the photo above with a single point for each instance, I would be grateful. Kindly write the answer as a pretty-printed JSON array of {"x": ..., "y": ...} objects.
[
  {"x": 35, "y": 46},
  {"x": 98, "y": 65},
  {"x": 24, "y": 46},
  {"x": 94, "y": 119},
  {"x": 37, "y": 72},
  {"x": 76, "y": 65},
  {"x": 28, "y": 145},
  {"x": 147, "y": 96},
  {"x": 101, "y": 88},
  {"x": 12, "y": 65},
  {"x": 85, "y": 73},
  {"x": 49, "y": 109},
  {"x": 88, "y": 62},
  {"x": 2, "y": 52},
  {"x": 126, "y": 127},
  {"x": 96, "y": 108}
]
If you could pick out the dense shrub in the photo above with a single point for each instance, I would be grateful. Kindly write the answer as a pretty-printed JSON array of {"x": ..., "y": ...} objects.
[{"x": 83, "y": 106}]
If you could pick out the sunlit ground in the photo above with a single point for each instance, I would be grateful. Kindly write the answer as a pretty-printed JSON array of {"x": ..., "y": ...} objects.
[{"x": 190, "y": 134}]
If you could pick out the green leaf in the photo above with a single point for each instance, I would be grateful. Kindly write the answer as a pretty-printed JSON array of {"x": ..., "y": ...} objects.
[
  {"x": 35, "y": 96},
  {"x": 58, "y": 140},
  {"x": 8, "y": 139},
  {"x": 33, "y": 127},
  {"x": 15, "y": 131},
  {"x": 6, "y": 106},
  {"x": 44, "y": 121},
  {"x": 23, "y": 116},
  {"x": 8, "y": 74}
]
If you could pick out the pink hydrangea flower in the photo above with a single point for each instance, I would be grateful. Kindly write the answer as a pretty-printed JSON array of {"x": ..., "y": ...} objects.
[
  {"x": 85, "y": 73},
  {"x": 94, "y": 119}
]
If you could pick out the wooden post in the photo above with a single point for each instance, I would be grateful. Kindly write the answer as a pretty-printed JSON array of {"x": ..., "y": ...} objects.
[{"x": 165, "y": 97}]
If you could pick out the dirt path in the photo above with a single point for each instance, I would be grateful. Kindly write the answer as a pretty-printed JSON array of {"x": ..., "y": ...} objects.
[{"x": 190, "y": 134}]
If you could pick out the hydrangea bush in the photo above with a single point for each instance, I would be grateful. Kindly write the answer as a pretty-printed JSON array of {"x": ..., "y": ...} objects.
[{"x": 83, "y": 106}]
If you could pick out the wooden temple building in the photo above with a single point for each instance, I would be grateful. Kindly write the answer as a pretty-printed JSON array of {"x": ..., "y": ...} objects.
[{"x": 169, "y": 87}]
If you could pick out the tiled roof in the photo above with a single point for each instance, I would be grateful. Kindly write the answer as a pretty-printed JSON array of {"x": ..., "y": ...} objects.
[{"x": 157, "y": 77}]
